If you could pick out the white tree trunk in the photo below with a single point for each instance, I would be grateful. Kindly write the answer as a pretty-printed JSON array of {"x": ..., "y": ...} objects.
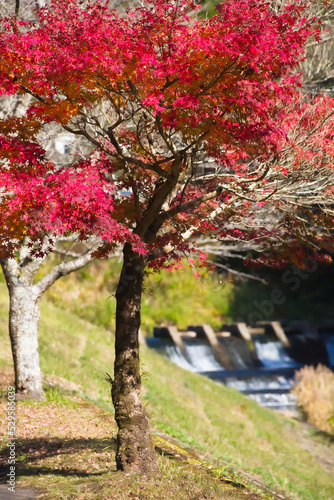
[
  {"x": 24, "y": 311},
  {"x": 23, "y": 330}
]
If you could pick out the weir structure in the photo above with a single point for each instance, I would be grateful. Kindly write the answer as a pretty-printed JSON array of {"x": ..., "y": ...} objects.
[{"x": 259, "y": 360}]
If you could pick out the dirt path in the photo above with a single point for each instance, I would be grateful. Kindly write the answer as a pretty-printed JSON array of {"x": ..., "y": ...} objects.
[{"x": 20, "y": 494}]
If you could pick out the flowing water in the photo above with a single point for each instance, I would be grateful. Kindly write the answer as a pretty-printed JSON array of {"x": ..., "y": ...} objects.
[
  {"x": 272, "y": 392},
  {"x": 173, "y": 352},
  {"x": 268, "y": 390},
  {"x": 199, "y": 356},
  {"x": 272, "y": 353}
]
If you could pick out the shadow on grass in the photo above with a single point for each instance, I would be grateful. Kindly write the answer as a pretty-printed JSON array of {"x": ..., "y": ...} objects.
[
  {"x": 64, "y": 471},
  {"x": 31, "y": 453},
  {"x": 314, "y": 431},
  {"x": 326, "y": 436}
]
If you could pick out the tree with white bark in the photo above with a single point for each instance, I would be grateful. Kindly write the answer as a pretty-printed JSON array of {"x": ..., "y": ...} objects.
[
  {"x": 24, "y": 294},
  {"x": 20, "y": 269},
  {"x": 155, "y": 92}
]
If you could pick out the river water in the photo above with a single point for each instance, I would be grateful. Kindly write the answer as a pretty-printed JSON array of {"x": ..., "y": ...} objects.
[{"x": 271, "y": 390}]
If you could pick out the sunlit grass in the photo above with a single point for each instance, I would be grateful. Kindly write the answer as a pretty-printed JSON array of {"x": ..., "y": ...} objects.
[
  {"x": 169, "y": 297},
  {"x": 225, "y": 427}
]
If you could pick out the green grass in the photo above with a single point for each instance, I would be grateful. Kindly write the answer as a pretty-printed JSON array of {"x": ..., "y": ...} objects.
[
  {"x": 169, "y": 297},
  {"x": 223, "y": 423},
  {"x": 66, "y": 450},
  {"x": 224, "y": 426}
]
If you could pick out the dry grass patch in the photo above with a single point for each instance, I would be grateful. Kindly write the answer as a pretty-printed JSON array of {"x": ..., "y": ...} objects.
[
  {"x": 315, "y": 393},
  {"x": 66, "y": 450}
]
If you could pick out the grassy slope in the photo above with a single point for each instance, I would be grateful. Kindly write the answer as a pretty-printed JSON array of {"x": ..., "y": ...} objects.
[
  {"x": 66, "y": 450},
  {"x": 224, "y": 426},
  {"x": 169, "y": 297}
]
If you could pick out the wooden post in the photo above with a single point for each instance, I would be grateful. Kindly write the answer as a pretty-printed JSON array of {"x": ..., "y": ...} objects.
[
  {"x": 218, "y": 349},
  {"x": 280, "y": 333},
  {"x": 244, "y": 332},
  {"x": 177, "y": 339}
]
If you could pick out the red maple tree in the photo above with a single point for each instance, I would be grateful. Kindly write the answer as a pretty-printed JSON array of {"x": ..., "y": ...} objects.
[{"x": 200, "y": 122}]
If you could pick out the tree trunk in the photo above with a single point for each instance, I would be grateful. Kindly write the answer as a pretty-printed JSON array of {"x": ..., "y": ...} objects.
[
  {"x": 24, "y": 313},
  {"x": 23, "y": 330},
  {"x": 135, "y": 448}
]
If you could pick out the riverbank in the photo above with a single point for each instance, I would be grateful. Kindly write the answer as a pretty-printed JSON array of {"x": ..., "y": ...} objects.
[{"x": 230, "y": 433}]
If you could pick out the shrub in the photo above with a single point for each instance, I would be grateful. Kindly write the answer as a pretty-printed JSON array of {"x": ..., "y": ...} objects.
[{"x": 315, "y": 394}]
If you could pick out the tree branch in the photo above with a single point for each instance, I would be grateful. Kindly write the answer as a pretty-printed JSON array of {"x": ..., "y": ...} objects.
[{"x": 62, "y": 270}]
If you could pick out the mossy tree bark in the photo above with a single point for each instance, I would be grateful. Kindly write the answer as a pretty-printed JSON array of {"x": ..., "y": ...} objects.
[{"x": 135, "y": 448}]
